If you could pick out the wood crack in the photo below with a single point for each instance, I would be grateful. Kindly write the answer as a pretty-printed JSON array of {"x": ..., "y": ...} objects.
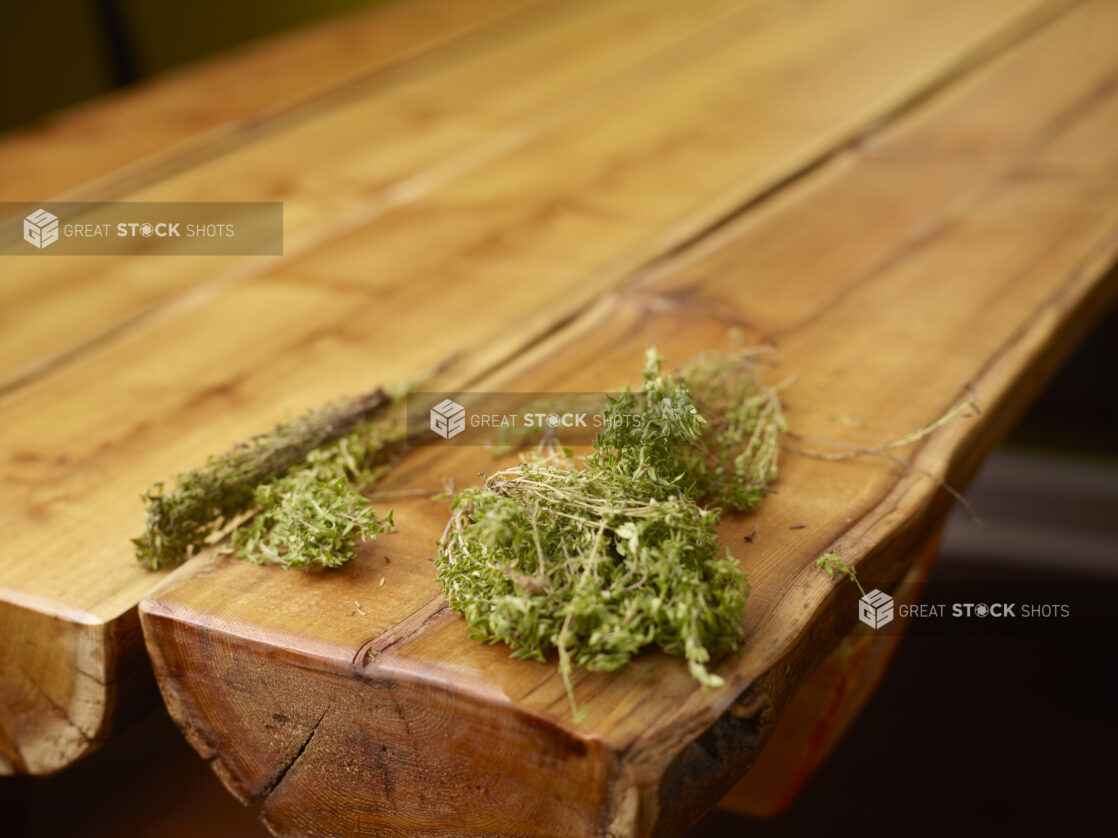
[
  {"x": 281, "y": 775},
  {"x": 982, "y": 55},
  {"x": 62, "y": 712},
  {"x": 402, "y": 631}
]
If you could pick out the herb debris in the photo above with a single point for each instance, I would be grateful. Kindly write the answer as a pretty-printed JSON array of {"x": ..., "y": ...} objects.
[{"x": 830, "y": 562}]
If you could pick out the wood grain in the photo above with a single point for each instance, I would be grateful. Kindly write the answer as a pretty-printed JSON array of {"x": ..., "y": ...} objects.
[
  {"x": 95, "y": 151},
  {"x": 342, "y": 160},
  {"x": 644, "y": 86},
  {"x": 540, "y": 222},
  {"x": 886, "y": 279}
]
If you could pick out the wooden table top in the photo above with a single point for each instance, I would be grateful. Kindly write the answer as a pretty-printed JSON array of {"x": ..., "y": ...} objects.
[{"x": 900, "y": 197}]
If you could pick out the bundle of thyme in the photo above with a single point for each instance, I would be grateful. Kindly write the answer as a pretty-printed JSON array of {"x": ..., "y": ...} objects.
[
  {"x": 292, "y": 496},
  {"x": 549, "y": 557},
  {"x": 601, "y": 560}
]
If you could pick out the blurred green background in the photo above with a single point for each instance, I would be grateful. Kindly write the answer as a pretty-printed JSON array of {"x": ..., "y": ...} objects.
[{"x": 59, "y": 52}]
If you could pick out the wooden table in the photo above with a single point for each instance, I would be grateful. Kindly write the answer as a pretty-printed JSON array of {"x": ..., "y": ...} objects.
[{"x": 900, "y": 196}]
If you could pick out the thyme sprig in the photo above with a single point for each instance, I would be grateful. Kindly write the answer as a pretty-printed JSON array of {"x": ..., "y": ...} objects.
[
  {"x": 301, "y": 482},
  {"x": 313, "y": 514},
  {"x": 831, "y": 562}
]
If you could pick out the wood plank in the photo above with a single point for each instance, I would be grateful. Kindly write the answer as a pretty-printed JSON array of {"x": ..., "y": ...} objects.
[
  {"x": 89, "y": 151},
  {"x": 576, "y": 209},
  {"x": 885, "y": 280},
  {"x": 344, "y": 159},
  {"x": 339, "y": 171}
]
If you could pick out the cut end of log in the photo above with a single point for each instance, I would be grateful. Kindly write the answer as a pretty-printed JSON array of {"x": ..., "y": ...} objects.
[
  {"x": 396, "y": 743},
  {"x": 389, "y": 740},
  {"x": 59, "y": 691}
]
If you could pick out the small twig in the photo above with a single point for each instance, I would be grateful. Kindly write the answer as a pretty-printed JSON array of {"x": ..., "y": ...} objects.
[
  {"x": 831, "y": 562},
  {"x": 852, "y": 451}
]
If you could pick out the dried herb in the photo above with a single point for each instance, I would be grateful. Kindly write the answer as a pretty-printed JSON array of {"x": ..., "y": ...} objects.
[
  {"x": 314, "y": 513},
  {"x": 301, "y": 482},
  {"x": 830, "y": 562},
  {"x": 599, "y": 561},
  {"x": 550, "y": 557},
  {"x": 735, "y": 458},
  {"x": 710, "y": 427}
]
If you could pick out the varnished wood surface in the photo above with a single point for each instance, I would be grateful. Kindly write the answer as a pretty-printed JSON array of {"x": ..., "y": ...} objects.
[
  {"x": 640, "y": 120},
  {"x": 969, "y": 241},
  {"x": 506, "y": 194},
  {"x": 97, "y": 150}
]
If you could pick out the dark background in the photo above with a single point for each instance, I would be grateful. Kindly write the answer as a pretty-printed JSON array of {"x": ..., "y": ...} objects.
[{"x": 55, "y": 53}]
